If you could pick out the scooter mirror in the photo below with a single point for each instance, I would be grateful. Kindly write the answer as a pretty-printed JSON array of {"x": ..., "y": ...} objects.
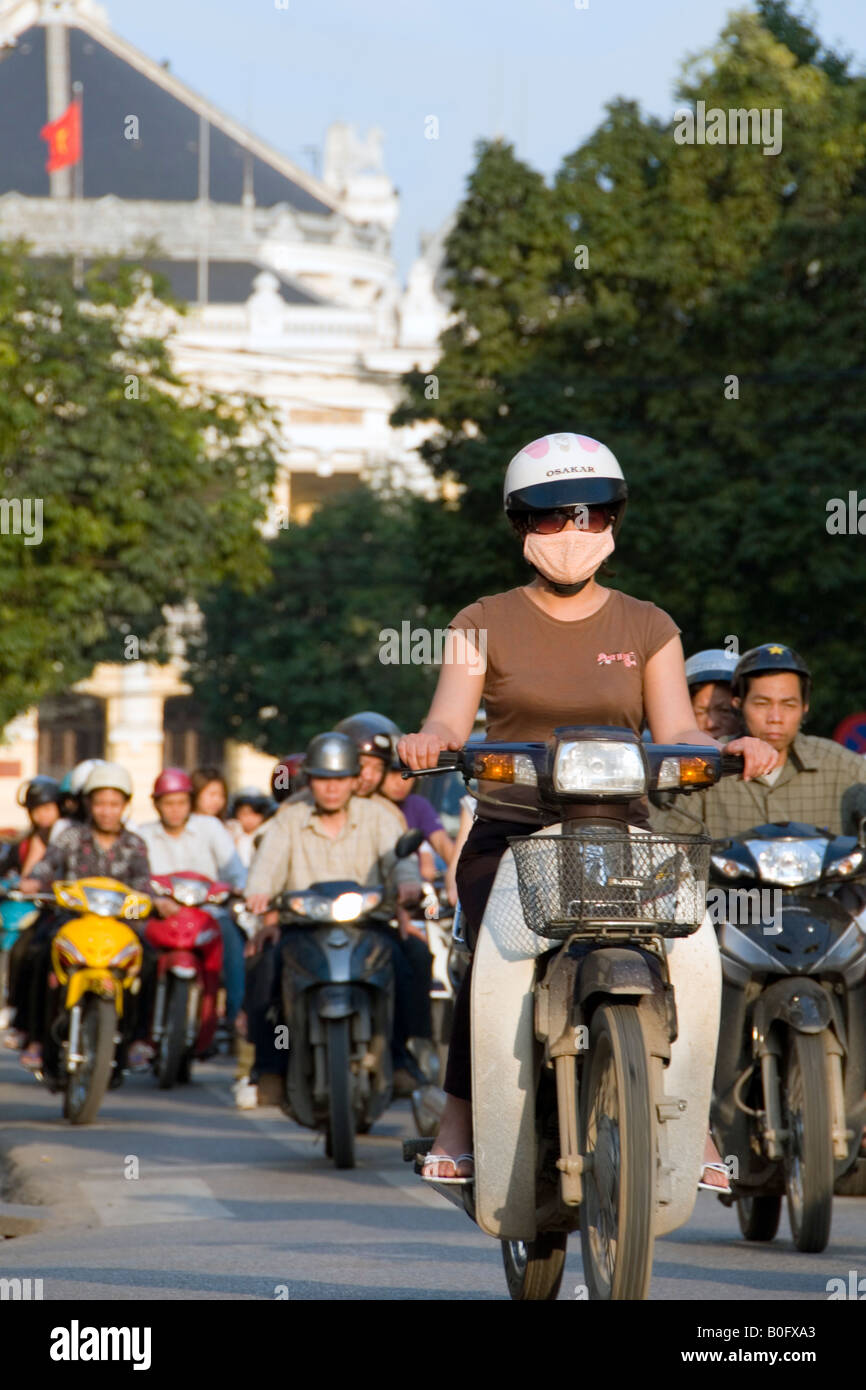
[{"x": 408, "y": 843}]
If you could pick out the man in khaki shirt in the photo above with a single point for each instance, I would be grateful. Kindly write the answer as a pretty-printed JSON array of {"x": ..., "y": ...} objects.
[
  {"x": 338, "y": 836},
  {"x": 817, "y": 781}
]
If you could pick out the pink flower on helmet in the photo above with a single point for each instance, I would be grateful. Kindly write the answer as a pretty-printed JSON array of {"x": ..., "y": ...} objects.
[
  {"x": 590, "y": 445},
  {"x": 537, "y": 449}
]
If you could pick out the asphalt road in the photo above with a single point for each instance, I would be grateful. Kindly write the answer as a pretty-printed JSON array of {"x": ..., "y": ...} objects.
[{"x": 234, "y": 1204}]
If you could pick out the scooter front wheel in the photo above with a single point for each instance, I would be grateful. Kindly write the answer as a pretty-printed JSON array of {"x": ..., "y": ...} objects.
[
  {"x": 341, "y": 1117},
  {"x": 86, "y": 1086},
  {"x": 172, "y": 1044},
  {"x": 759, "y": 1216},
  {"x": 808, "y": 1160},
  {"x": 533, "y": 1268},
  {"x": 617, "y": 1128}
]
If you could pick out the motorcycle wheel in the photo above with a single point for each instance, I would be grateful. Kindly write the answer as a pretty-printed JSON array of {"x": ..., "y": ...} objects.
[
  {"x": 533, "y": 1268},
  {"x": 172, "y": 1044},
  {"x": 617, "y": 1126},
  {"x": 87, "y": 1085},
  {"x": 341, "y": 1120},
  {"x": 759, "y": 1216},
  {"x": 808, "y": 1160}
]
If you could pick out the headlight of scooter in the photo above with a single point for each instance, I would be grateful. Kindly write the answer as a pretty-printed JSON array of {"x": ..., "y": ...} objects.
[
  {"x": 126, "y": 957},
  {"x": 68, "y": 955},
  {"x": 788, "y": 862},
  {"x": 598, "y": 768},
  {"x": 104, "y": 902}
]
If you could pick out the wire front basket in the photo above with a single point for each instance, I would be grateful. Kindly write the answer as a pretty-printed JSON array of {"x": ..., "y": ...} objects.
[{"x": 599, "y": 881}]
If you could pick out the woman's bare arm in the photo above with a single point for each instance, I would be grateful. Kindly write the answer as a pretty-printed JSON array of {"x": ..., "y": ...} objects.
[{"x": 452, "y": 714}]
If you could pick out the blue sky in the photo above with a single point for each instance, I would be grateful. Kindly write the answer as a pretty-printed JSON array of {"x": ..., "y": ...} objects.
[{"x": 537, "y": 71}]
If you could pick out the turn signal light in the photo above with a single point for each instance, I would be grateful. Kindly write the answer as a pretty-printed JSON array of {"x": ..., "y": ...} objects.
[
  {"x": 494, "y": 767},
  {"x": 696, "y": 772}
]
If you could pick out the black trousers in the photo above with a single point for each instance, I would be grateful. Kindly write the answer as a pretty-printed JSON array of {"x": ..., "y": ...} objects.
[{"x": 485, "y": 845}]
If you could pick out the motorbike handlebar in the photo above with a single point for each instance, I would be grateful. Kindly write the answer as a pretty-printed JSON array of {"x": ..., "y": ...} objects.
[{"x": 732, "y": 764}]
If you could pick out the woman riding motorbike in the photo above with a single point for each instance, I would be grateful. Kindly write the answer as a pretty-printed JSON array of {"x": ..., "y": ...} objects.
[{"x": 561, "y": 650}]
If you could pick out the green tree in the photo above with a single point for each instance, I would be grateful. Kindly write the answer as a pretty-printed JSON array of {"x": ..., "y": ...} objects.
[
  {"x": 701, "y": 267},
  {"x": 150, "y": 490},
  {"x": 279, "y": 666}
]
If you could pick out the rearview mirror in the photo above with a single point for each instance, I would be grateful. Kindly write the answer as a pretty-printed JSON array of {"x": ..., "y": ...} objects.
[{"x": 408, "y": 843}]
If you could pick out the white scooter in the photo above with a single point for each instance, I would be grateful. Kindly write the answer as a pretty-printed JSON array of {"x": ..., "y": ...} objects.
[{"x": 596, "y": 990}]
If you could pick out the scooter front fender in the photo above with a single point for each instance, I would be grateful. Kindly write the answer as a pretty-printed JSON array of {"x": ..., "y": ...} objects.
[{"x": 100, "y": 982}]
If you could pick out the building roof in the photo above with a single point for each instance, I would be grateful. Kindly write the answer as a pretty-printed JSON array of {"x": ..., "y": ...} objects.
[{"x": 163, "y": 163}]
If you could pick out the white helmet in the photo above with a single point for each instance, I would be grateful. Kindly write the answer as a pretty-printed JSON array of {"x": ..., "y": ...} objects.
[
  {"x": 106, "y": 776},
  {"x": 80, "y": 773},
  {"x": 561, "y": 470},
  {"x": 715, "y": 664}
]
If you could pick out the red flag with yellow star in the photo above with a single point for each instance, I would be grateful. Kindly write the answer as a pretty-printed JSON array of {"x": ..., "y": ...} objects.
[{"x": 64, "y": 138}]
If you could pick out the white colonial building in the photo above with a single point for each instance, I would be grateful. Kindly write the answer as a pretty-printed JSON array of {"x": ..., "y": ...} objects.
[{"x": 293, "y": 295}]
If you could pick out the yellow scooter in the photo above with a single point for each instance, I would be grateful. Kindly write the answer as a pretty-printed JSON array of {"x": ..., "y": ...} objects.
[{"x": 96, "y": 961}]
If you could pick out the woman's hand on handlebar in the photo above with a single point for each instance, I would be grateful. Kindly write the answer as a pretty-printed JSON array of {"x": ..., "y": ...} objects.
[
  {"x": 422, "y": 750},
  {"x": 759, "y": 757}
]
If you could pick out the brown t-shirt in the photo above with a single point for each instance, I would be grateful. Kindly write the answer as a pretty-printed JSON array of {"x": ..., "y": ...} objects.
[{"x": 544, "y": 672}]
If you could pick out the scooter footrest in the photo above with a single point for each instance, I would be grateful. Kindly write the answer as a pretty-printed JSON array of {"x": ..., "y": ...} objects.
[{"x": 415, "y": 1148}]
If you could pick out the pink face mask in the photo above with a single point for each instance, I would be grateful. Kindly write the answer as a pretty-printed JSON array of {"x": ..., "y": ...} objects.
[{"x": 568, "y": 556}]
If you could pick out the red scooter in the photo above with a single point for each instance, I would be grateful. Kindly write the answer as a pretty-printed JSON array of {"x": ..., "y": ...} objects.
[{"x": 188, "y": 971}]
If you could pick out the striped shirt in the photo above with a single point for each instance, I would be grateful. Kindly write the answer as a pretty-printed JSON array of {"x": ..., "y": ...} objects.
[{"x": 821, "y": 783}]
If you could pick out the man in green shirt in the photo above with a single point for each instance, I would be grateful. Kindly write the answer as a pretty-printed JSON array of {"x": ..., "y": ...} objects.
[{"x": 816, "y": 781}]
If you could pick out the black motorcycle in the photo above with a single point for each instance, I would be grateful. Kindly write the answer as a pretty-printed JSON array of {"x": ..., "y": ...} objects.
[
  {"x": 791, "y": 1064},
  {"x": 338, "y": 1000}
]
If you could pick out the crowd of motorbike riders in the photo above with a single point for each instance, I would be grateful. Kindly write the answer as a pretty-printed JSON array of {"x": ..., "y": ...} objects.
[{"x": 336, "y": 812}]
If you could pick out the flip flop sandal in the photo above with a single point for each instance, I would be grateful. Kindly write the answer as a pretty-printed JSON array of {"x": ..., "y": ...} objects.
[
  {"x": 712, "y": 1186},
  {"x": 447, "y": 1158}
]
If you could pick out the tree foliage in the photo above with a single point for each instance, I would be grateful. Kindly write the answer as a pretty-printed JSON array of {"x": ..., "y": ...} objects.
[
  {"x": 713, "y": 340},
  {"x": 150, "y": 490},
  {"x": 276, "y": 667}
]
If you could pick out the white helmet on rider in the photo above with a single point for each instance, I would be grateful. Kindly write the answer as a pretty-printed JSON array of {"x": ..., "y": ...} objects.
[
  {"x": 561, "y": 470},
  {"x": 109, "y": 776},
  {"x": 711, "y": 666}
]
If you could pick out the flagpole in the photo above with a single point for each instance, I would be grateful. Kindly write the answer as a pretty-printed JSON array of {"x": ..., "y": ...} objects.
[{"x": 78, "y": 186}]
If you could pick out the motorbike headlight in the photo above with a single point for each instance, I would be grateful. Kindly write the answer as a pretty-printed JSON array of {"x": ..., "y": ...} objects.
[
  {"x": 69, "y": 955},
  {"x": 104, "y": 902},
  {"x": 371, "y": 899},
  {"x": 849, "y": 865},
  {"x": 189, "y": 892},
  {"x": 347, "y": 907},
  {"x": 599, "y": 768},
  {"x": 218, "y": 897},
  {"x": 729, "y": 867},
  {"x": 788, "y": 862},
  {"x": 125, "y": 957}
]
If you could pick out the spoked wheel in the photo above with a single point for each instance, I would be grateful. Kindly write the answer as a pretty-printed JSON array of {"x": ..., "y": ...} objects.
[
  {"x": 88, "y": 1083},
  {"x": 533, "y": 1268},
  {"x": 618, "y": 1130},
  {"x": 340, "y": 1143},
  {"x": 759, "y": 1216},
  {"x": 808, "y": 1161}
]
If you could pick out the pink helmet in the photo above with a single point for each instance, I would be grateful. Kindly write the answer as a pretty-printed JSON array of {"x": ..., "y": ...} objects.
[{"x": 171, "y": 779}]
